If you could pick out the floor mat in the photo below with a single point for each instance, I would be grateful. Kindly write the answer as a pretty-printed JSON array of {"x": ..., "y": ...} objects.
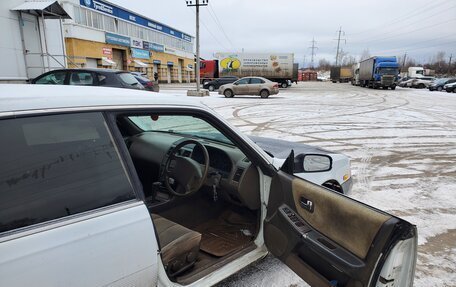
[{"x": 228, "y": 233}]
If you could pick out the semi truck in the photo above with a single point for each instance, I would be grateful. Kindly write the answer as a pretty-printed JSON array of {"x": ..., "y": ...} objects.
[
  {"x": 278, "y": 67},
  {"x": 379, "y": 72},
  {"x": 341, "y": 75}
]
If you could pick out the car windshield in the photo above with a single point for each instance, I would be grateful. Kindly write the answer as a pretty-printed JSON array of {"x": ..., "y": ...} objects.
[
  {"x": 184, "y": 125},
  {"x": 128, "y": 78}
]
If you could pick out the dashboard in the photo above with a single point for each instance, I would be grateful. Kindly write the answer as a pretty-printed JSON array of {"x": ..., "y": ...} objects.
[{"x": 239, "y": 182}]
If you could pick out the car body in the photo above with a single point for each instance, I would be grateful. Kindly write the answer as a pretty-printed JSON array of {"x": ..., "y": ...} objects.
[
  {"x": 336, "y": 177},
  {"x": 438, "y": 84},
  {"x": 422, "y": 82},
  {"x": 112, "y": 187},
  {"x": 450, "y": 87},
  {"x": 89, "y": 77},
  {"x": 250, "y": 86},
  {"x": 216, "y": 83},
  {"x": 145, "y": 82},
  {"x": 406, "y": 83}
]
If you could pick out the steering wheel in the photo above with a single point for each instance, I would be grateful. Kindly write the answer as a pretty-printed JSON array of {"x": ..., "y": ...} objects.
[{"x": 186, "y": 172}]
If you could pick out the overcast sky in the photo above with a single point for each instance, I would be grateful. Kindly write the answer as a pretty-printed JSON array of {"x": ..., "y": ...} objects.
[{"x": 419, "y": 28}]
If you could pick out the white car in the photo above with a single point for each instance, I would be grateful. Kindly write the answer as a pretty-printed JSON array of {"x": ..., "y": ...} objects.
[
  {"x": 326, "y": 168},
  {"x": 112, "y": 187}
]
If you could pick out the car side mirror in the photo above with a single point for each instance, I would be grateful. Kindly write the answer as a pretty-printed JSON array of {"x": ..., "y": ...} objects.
[{"x": 316, "y": 163}]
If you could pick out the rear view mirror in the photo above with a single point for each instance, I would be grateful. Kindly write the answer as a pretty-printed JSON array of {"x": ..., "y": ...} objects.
[{"x": 316, "y": 163}]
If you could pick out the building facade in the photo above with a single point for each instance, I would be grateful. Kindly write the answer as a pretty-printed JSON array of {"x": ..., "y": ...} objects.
[{"x": 101, "y": 34}]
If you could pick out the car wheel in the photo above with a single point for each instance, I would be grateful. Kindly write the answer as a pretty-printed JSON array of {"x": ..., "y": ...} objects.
[
  {"x": 439, "y": 89},
  {"x": 264, "y": 94},
  {"x": 228, "y": 93},
  {"x": 393, "y": 87},
  {"x": 211, "y": 88},
  {"x": 421, "y": 86},
  {"x": 284, "y": 85}
]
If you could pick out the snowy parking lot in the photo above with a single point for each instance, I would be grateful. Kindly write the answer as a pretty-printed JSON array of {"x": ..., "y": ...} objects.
[{"x": 402, "y": 145}]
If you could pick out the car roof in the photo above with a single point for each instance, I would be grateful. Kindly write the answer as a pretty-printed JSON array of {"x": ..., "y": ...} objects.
[
  {"x": 16, "y": 98},
  {"x": 98, "y": 70}
]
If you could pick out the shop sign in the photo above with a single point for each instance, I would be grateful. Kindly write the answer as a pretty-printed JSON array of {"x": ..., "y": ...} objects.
[
  {"x": 190, "y": 66},
  {"x": 136, "y": 43},
  {"x": 170, "y": 51},
  {"x": 156, "y": 47},
  {"x": 170, "y": 63},
  {"x": 120, "y": 13},
  {"x": 117, "y": 39},
  {"x": 158, "y": 62},
  {"x": 146, "y": 45},
  {"x": 140, "y": 54},
  {"x": 107, "y": 51}
]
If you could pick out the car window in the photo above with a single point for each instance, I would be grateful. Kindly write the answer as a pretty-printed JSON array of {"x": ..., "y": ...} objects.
[
  {"x": 243, "y": 81},
  {"x": 128, "y": 79},
  {"x": 179, "y": 124},
  {"x": 81, "y": 79},
  {"x": 56, "y": 78},
  {"x": 256, "y": 81},
  {"x": 56, "y": 166}
]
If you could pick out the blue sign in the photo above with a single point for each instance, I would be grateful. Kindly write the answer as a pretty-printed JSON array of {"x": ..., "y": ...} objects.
[
  {"x": 156, "y": 47},
  {"x": 170, "y": 63},
  {"x": 117, "y": 39},
  {"x": 157, "y": 62},
  {"x": 133, "y": 18},
  {"x": 141, "y": 54}
]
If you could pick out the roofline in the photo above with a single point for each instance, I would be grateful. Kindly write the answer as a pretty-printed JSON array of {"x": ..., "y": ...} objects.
[
  {"x": 131, "y": 11},
  {"x": 114, "y": 107}
]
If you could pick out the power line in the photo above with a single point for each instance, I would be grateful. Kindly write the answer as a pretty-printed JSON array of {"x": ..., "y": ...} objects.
[
  {"x": 313, "y": 48},
  {"x": 220, "y": 25},
  {"x": 413, "y": 13}
]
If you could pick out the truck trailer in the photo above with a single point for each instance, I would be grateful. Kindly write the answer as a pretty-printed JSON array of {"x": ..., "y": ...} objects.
[
  {"x": 275, "y": 67},
  {"x": 379, "y": 72},
  {"x": 341, "y": 75}
]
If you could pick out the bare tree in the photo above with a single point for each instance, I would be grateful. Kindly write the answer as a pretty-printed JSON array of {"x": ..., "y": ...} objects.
[
  {"x": 324, "y": 64},
  {"x": 364, "y": 55}
]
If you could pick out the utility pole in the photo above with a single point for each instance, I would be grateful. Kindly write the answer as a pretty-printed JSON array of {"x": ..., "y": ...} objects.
[
  {"x": 449, "y": 65},
  {"x": 198, "y": 3},
  {"x": 403, "y": 61},
  {"x": 313, "y": 52},
  {"x": 338, "y": 43}
]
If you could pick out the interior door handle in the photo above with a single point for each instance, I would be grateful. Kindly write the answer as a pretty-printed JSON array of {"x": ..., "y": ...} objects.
[{"x": 306, "y": 204}]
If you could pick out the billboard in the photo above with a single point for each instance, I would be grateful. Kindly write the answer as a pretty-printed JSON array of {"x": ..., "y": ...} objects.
[{"x": 256, "y": 64}]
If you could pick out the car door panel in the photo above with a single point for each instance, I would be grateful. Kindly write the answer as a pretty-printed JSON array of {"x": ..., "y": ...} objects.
[
  {"x": 326, "y": 237},
  {"x": 115, "y": 246}
]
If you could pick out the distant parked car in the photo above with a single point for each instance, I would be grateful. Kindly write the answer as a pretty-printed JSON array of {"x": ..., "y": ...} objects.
[
  {"x": 450, "y": 87},
  {"x": 406, "y": 83},
  {"x": 250, "y": 86},
  {"x": 422, "y": 83},
  {"x": 438, "y": 84},
  {"x": 89, "y": 77},
  {"x": 141, "y": 74},
  {"x": 148, "y": 84},
  {"x": 216, "y": 83}
]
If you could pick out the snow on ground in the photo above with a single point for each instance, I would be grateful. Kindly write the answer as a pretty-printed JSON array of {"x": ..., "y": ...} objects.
[{"x": 403, "y": 147}]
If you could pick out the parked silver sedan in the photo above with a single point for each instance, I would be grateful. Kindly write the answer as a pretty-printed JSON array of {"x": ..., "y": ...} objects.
[{"x": 250, "y": 86}]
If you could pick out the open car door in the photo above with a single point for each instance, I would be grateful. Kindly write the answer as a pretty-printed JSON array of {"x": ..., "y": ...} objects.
[{"x": 329, "y": 239}]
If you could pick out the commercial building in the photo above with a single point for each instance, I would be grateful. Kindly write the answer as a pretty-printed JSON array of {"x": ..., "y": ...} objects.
[
  {"x": 39, "y": 36},
  {"x": 31, "y": 39},
  {"x": 101, "y": 34}
]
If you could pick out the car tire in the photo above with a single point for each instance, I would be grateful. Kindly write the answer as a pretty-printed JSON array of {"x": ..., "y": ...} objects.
[
  {"x": 393, "y": 87},
  {"x": 228, "y": 93},
  {"x": 211, "y": 88},
  {"x": 264, "y": 94},
  {"x": 421, "y": 86},
  {"x": 439, "y": 89},
  {"x": 284, "y": 85}
]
